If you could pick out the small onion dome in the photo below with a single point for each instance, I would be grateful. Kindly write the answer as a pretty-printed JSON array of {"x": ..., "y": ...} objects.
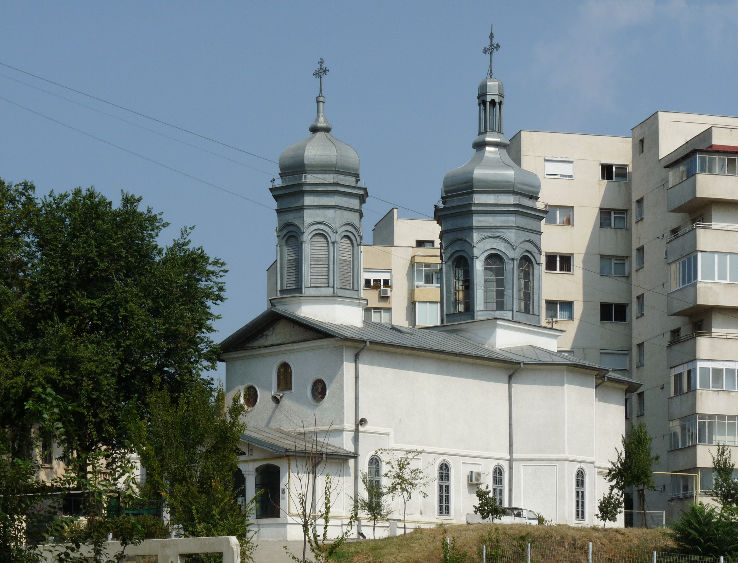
[{"x": 319, "y": 152}]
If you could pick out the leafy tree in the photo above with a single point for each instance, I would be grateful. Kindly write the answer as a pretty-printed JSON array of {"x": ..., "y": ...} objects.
[
  {"x": 404, "y": 479},
  {"x": 92, "y": 311},
  {"x": 487, "y": 508},
  {"x": 374, "y": 504},
  {"x": 610, "y": 505},
  {"x": 189, "y": 447},
  {"x": 702, "y": 530},
  {"x": 633, "y": 466},
  {"x": 725, "y": 486}
]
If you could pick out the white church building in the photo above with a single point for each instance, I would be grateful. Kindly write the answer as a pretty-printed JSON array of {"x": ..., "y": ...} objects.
[{"x": 485, "y": 397}]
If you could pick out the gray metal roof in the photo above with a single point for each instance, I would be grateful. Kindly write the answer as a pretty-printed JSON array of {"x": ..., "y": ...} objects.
[
  {"x": 423, "y": 339},
  {"x": 283, "y": 442}
]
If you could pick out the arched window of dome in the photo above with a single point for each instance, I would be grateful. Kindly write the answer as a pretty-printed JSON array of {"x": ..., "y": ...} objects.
[
  {"x": 462, "y": 294},
  {"x": 346, "y": 263},
  {"x": 319, "y": 260},
  {"x": 494, "y": 283},
  {"x": 444, "y": 489},
  {"x": 291, "y": 263},
  {"x": 579, "y": 494},
  {"x": 525, "y": 285},
  {"x": 498, "y": 485}
]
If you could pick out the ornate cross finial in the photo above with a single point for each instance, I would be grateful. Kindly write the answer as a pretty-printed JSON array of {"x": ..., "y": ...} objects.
[
  {"x": 320, "y": 72},
  {"x": 490, "y": 49}
]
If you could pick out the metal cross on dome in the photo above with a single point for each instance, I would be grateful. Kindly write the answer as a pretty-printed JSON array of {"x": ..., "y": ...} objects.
[
  {"x": 320, "y": 72},
  {"x": 490, "y": 49}
]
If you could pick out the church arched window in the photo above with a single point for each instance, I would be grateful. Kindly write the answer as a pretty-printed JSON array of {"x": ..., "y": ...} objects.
[
  {"x": 346, "y": 263},
  {"x": 374, "y": 475},
  {"x": 267, "y": 488},
  {"x": 319, "y": 260},
  {"x": 525, "y": 285},
  {"x": 579, "y": 494},
  {"x": 444, "y": 489},
  {"x": 498, "y": 485},
  {"x": 284, "y": 377},
  {"x": 291, "y": 263},
  {"x": 494, "y": 283},
  {"x": 462, "y": 298}
]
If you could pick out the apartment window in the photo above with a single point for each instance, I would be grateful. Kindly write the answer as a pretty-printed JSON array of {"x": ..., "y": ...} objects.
[
  {"x": 640, "y": 305},
  {"x": 704, "y": 429},
  {"x": 424, "y": 244},
  {"x": 628, "y": 407},
  {"x": 614, "y": 359},
  {"x": 427, "y": 313},
  {"x": 613, "y": 218},
  {"x": 559, "y": 262},
  {"x": 711, "y": 375},
  {"x": 284, "y": 377},
  {"x": 378, "y": 315},
  {"x": 560, "y": 215},
  {"x": 444, "y": 489},
  {"x": 428, "y": 275},
  {"x": 701, "y": 163},
  {"x": 374, "y": 279},
  {"x": 704, "y": 266},
  {"x": 613, "y": 266},
  {"x": 640, "y": 257},
  {"x": 614, "y": 312},
  {"x": 498, "y": 485},
  {"x": 639, "y": 209},
  {"x": 675, "y": 335},
  {"x": 640, "y": 354},
  {"x": 579, "y": 494},
  {"x": 558, "y": 168},
  {"x": 560, "y": 310},
  {"x": 641, "y": 403},
  {"x": 614, "y": 172},
  {"x": 678, "y": 384},
  {"x": 640, "y": 145}
]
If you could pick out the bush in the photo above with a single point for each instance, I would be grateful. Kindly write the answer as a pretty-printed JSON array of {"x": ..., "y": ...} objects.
[{"x": 702, "y": 530}]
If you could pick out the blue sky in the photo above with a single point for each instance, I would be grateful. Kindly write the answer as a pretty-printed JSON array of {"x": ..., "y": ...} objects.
[{"x": 401, "y": 90}]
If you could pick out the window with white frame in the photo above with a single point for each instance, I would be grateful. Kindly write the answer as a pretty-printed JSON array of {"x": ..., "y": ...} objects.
[
  {"x": 614, "y": 172},
  {"x": 498, "y": 485},
  {"x": 613, "y": 265},
  {"x": 378, "y": 315},
  {"x": 558, "y": 168},
  {"x": 640, "y": 257},
  {"x": 614, "y": 312},
  {"x": 427, "y": 275},
  {"x": 639, "y": 209},
  {"x": 640, "y": 305},
  {"x": 444, "y": 489},
  {"x": 707, "y": 429},
  {"x": 704, "y": 266},
  {"x": 374, "y": 475},
  {"x": 640, "y": 354},
  {"x": 713, "y": 375},
  {"x": 579, "y": 494},
  {"x": 615, "y": 359},
  {"x": 560, "y": 310},
  {"x": 559, "y": 262},
  {"x": 374, "y": 279},
  {"x": 427, "y": 313},
  {"x": 613, "y": 219},
  {"x": 560, "y": 215}
]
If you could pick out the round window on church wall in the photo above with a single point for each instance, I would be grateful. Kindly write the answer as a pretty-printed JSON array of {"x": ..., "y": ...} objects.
[
  {"x": 318, "y": 390},
  {"x": 250, "y": 396}
]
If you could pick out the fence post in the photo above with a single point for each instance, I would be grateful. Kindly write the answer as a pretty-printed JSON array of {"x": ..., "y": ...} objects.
[
  {"x": 654, "y": 557},
  {"x": 528, "y": 560},
  {"x": 589, "y": 553},
  {"x": 484, "y": 553},
  {"x": 721, "y": 559}
]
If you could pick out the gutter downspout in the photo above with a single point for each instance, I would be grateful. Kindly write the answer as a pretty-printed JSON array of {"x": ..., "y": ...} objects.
[
  {"x": 511, "y": 471},
  {"x": 356, "y": 428}
]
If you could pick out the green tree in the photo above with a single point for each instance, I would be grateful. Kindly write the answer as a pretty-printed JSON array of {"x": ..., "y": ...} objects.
[
  {"x": 375, "y": 502},
  {"x": 610, "y": 505},
  {"x": 189, "y": 447},
  {"x": 405, "y": 478},
  {"x": 725, "y": 486},
  {"x": 487, "y": 508},
  {"x": 633, "y": 466},
  {"x": 704, "y": 531},
  {"x": 92, "y": 311}
]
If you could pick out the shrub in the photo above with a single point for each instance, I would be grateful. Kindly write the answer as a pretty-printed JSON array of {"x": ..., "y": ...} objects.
[{"x": 702, "y": 530}]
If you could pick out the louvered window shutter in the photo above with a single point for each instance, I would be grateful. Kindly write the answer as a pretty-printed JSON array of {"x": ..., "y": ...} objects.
[
  {"x": 345, "y": 264},
  {"x": 291, "y": 263},
  {"x": 319, "y": 261}
]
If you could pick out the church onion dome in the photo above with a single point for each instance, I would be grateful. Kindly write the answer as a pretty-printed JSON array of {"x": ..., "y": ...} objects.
[{"x": 320, "y": 152}]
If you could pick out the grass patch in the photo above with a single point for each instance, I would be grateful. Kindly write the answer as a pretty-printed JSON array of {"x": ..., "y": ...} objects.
[{"x": 548, "y": 543}]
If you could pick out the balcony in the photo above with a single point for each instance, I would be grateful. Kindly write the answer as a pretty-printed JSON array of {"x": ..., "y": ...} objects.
[
  {"x": 699, "y": 296},
  {"x": 702, "y": 237},
  {"x": 712, "y": 345},
  {"x": 701, "y": 189}
]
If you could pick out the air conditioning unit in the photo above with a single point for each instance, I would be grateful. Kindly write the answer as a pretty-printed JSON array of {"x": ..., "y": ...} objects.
[
  {"x": 385, "y": 291},
  {"x": 475, "y": 477}
]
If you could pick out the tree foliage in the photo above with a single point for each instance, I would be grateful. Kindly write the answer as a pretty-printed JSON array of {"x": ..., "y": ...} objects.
[
  {"x": 633, "y": 466},
  {"x": 610, "y": 505},
  {"x": 725, "y": 486},
  {"x": 405, "y": 478},
  {"x": 487, "y": 508},
  {"x": 705, "y": 531},
  {"x": 375, "y": 502},
  {"x": 93, "y": 310}
]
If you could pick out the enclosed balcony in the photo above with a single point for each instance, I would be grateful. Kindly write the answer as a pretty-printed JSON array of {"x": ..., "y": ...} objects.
[
  {"x": 702, "y": 280},
  {"x": 701, "y": 179}
]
